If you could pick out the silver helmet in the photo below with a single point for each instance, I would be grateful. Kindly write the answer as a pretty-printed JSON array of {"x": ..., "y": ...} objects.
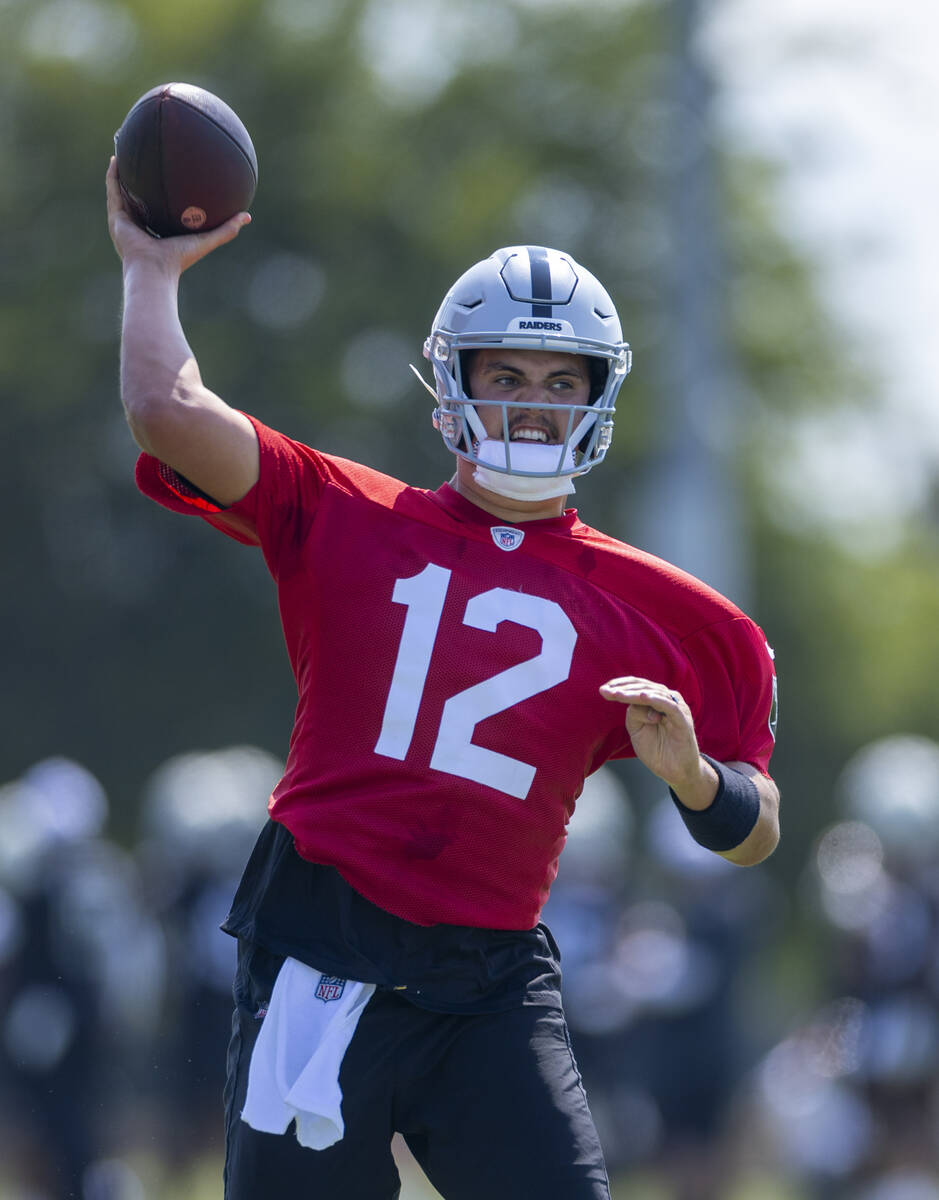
[{"x": 528, "y": 298}]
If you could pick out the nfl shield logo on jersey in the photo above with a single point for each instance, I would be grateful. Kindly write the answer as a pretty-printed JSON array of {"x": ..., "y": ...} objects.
[
  {"x": 507, "y": 538},
  {"x": 330, "y": 987}
]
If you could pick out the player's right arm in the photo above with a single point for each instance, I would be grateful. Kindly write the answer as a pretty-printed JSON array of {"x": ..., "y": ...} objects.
[{"x": 171, "y": 413}]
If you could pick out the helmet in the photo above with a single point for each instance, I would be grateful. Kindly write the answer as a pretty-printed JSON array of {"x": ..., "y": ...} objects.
[{"x": 528, "y": 298}]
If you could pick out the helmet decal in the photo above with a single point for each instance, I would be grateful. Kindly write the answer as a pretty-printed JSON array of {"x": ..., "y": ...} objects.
[
  {"x": 539, "y": 277},
  {"x": 540, "y": 282}
]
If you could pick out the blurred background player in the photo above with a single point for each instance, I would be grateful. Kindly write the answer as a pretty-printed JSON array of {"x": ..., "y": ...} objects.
[{"x": 82, "y": 972}]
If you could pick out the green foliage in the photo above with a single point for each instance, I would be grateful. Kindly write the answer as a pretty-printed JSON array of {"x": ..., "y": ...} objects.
[
  {"x": 788, "y": 348},
  {"x": 133, "y": 634}
]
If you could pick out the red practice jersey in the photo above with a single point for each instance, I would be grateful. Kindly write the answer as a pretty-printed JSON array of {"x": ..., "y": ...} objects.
[{"x": 448, "y": 668}]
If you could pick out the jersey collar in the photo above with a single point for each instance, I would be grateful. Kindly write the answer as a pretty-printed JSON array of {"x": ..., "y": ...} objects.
[{"x": 465, "y": 510}]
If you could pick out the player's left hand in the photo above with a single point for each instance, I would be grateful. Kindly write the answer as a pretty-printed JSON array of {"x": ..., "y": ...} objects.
[{"x": 661, "y": 728}]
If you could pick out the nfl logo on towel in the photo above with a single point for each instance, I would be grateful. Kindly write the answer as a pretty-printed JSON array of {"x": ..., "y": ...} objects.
[
  {"x": 507, "y": 538},
  {"x": 330, "y": 987}
]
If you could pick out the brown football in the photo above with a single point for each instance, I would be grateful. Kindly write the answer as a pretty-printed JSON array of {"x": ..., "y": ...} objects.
[{"x": 184, "y": 160}]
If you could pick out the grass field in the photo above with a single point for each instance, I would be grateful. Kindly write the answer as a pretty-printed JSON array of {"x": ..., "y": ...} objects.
[{"x": 143, "y": 1177}]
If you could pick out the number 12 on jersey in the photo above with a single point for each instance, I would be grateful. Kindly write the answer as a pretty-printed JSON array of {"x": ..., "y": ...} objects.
[{"x": 424, "y": 596}]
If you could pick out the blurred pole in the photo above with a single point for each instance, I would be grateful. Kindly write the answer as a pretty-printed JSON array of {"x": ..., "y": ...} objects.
[{"x": 688, "y": 509}]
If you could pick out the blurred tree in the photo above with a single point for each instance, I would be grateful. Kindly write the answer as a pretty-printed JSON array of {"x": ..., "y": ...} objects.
[{"x": 398, "y": 141}]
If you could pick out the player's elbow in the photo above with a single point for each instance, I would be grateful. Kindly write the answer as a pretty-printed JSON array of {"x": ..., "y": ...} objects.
[
  {"x": 159, "y": 414},
  {"x": 762, "y": 839},
  {"x": 756, "y": 848},
  {"x": 139, "y": 412},
  {"x": 154, "y": 422},
  {"x": 157, "y": 393}
]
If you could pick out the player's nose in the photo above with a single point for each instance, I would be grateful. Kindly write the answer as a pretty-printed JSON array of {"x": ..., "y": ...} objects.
[{"x": 534, "y": 396}]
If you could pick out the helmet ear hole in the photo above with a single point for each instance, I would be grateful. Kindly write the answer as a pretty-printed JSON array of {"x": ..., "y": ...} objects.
[
  {"x": 467, "y": 358},
  {"x": 464, "y": 367},
  {"x": 599, "y": 370}
]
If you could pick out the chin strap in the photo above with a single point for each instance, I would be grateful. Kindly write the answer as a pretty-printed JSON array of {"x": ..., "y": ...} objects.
[
  {"x": 526, "y": 456},
  {"x": 522, "y": 487}
]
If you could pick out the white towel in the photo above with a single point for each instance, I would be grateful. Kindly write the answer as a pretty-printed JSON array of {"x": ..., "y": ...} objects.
[{"x": 294, "y": 1070}]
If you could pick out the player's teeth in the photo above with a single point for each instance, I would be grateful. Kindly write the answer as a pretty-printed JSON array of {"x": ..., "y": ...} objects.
[{"x": 529, "y": 435}]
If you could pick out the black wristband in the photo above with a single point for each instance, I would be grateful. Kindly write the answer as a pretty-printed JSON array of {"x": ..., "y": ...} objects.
[{"x": 731, "y": 815}]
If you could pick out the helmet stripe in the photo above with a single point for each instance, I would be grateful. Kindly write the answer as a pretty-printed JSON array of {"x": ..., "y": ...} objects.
[{"x": 540, "y": 281}]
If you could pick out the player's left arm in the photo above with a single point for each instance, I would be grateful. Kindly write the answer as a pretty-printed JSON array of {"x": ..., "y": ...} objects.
[{"x": 661, "y": 728}]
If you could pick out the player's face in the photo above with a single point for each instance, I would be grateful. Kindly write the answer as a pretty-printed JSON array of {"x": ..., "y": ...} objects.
[{"x": 536, "y": 380}]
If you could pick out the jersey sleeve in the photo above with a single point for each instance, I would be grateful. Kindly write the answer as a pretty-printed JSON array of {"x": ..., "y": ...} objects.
[
  {"x": 280, "y": 503},
  {"x": 734, "y": 665}
]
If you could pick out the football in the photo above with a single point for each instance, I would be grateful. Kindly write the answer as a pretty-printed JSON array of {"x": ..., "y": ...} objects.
[{"x": 185, "y": 161}]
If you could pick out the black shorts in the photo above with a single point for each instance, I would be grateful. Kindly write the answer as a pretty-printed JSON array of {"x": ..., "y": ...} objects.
[{"x": 490, "y": 1104}]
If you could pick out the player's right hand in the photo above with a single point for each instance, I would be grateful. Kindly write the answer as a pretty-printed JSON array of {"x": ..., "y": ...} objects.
[{"x": 173, "y": 254}]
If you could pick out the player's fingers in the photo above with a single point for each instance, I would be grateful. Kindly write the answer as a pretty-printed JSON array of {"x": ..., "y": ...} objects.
[
  {"x": 120, "y": 223},
  {"x": 632, "y": 690},
  {"x": 205, "y": 243},
  {"x": 113, "y": 188},
  {"x": 634, "y": 682},
  {"x": 230, "y": 229},
  {"x": 615, "y": 689},
  {"x": 638, "y": 715},
  {"x": 195, "y": 246}
]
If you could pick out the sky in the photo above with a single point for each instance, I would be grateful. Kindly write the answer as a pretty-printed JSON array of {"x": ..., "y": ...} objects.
[{"x": 844, "y": 96}]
